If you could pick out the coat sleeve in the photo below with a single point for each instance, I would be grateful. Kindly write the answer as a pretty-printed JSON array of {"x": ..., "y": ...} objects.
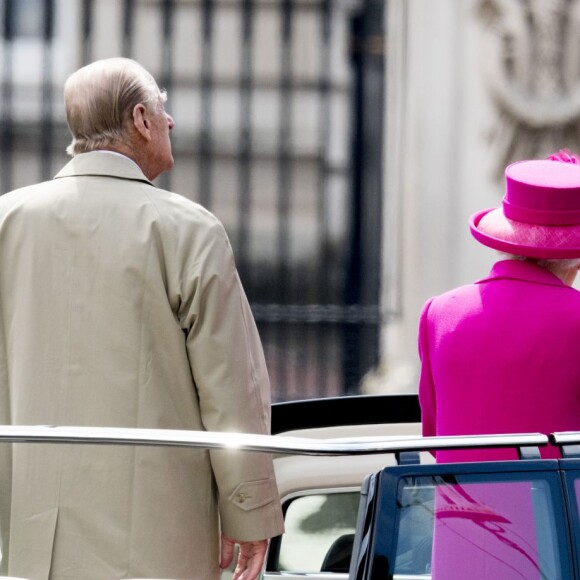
[
  {"x": 229, "y": 372},
  {"x": 427, "y": 394}
]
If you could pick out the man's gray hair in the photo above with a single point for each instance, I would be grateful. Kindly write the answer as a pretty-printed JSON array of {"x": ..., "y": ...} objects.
[{"x": 99, "y": 100}]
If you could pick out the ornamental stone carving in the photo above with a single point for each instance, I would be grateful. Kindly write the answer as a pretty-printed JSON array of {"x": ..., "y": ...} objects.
[{"x": 531, "y": 62}]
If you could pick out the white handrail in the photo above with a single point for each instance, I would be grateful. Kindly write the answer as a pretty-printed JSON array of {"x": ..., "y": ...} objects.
[
  {"x": 565, "y": 438},
  {"x": 260, "y": 443}
]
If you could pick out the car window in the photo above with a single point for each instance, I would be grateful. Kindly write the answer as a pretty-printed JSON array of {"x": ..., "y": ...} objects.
[
  {"x": 481, "y": 530},
  {"x": 319, "y": 532},
  {"x": 573, "y": 484},
  {"x": 577, "y": 493}
]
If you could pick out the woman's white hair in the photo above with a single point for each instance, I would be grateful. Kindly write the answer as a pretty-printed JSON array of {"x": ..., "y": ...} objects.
[
  {"x": 99, "y": 100},
  {"x": 552, "y": 265}
]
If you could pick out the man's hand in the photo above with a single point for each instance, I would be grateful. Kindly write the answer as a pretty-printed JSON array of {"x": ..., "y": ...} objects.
[{"x": 250, "y": 558}]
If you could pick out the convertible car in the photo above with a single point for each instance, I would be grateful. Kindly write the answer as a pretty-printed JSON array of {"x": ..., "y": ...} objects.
[
  {"x": 363, "y": 498},
  {"x": 397, "y": 515}
]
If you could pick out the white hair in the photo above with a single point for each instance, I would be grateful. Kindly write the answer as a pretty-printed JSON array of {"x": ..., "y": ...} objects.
[
  {"x": 99, "y": 99},
  {"x": 552, "y": 265}
]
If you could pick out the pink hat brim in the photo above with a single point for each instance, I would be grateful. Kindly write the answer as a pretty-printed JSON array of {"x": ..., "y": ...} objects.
[{"x": 491, "y": 228}]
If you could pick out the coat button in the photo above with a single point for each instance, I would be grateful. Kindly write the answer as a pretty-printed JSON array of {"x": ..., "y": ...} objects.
[{"x": 241, "y": 497}]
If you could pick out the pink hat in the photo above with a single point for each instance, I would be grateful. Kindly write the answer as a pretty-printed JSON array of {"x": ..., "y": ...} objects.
[{"x": 540, "y": 213}]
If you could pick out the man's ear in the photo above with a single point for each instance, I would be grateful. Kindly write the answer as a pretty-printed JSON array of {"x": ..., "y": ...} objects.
[{"x": 140, "y": 121}]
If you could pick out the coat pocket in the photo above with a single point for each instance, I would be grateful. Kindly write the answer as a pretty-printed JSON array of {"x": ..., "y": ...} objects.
[{"x": 250, "y": 495}]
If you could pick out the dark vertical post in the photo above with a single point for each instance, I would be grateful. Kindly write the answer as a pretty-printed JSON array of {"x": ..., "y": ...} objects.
[
  {"x": 166, "y": 77},
  {"x": 205, "y": 138},
  {"x": 285, "y": 145},
  {"x": 361, "y": 340},
  {"x": 245, "y": 143},
  {"x": 324, "y": 267},
  {"x": 285, "y": 168},
  {"x": 47, "y": 124},
  {"x": 7, "y": 127},
  {"x": 87, "y": 30},
  {"x": 128, "y": 27},
  {"x": 167, "y": 9}
]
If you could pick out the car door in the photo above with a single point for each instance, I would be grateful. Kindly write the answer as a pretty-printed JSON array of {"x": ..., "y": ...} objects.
[
  {"x": 321, "y": 495},
  {"x": 480, "y": 521}
]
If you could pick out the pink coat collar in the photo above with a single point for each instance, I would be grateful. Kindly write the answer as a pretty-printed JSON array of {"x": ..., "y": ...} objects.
[{"x": 525, "y": 271}]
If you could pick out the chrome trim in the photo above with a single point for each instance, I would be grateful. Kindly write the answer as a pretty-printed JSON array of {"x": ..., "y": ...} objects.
[
  {"x": 261, "y": 443},
  {"x": 314, "y": 491},
  {"x": 311, "y": 576},
  {"x": 565, "y": 438}
]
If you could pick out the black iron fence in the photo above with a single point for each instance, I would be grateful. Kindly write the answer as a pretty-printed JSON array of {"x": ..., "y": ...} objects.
[{"x": 278, "y": 108}]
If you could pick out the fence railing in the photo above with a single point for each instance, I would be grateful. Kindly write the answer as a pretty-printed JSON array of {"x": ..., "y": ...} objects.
[{"x": 278, "y": 132}]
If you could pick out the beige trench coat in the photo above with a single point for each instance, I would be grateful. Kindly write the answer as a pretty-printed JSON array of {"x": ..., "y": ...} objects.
[{"x": 120, "y": 306}]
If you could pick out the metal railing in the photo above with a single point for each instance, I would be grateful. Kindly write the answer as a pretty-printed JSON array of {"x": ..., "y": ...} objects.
[
  {"x": 278, "y": 132},
  {"x": 262, "y": 443}
]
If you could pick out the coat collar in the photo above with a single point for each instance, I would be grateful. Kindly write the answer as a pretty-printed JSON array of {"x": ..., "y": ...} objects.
[
  {"x": 102, "y": 163},
  {"x": 519, "y": 270}
]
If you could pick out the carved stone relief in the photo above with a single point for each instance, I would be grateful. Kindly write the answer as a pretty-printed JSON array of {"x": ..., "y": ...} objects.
[{"x": 531, "y": 62}]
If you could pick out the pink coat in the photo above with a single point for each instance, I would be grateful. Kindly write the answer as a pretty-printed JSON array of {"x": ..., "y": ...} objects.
[{"x": 501, "y": 356}]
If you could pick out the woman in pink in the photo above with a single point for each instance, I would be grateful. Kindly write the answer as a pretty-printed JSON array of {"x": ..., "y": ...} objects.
[{"x": 502, "y": 355}]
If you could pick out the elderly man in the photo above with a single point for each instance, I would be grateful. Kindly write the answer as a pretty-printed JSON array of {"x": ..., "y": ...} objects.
[{"x": 120, "y": 305}]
